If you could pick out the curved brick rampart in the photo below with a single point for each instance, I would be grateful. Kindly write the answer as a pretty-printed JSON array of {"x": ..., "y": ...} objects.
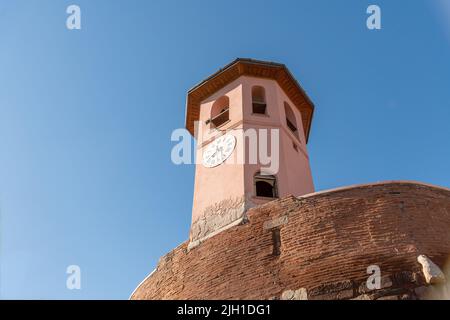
[{"x": 327, "y": 241}]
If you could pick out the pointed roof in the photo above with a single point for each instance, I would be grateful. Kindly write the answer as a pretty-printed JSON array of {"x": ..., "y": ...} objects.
[{"x": 251, "y": 68}]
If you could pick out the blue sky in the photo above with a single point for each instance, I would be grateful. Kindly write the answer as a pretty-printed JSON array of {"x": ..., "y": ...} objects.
[{"x": 86, "y": 118}]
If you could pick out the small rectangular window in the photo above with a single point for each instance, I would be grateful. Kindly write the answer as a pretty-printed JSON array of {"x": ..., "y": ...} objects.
[
  {"x": 221, "y": 118},
  {"x": 259, "y": 108},
  {"x": 265, "y": 186},
  {"x": 276, "y": 240},
  {"x": 259, "y": 100},
  {"x": 291, "y": 125}
]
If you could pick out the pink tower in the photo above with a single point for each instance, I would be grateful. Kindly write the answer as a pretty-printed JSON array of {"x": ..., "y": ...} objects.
[{"x": 252, "y": 121}]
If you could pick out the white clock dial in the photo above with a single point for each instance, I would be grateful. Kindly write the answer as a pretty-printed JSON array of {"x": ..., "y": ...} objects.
[{"x": 219, "y": 150}]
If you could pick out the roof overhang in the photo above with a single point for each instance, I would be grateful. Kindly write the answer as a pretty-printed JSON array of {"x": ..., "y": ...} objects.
[{"x": 251, "y": 68}]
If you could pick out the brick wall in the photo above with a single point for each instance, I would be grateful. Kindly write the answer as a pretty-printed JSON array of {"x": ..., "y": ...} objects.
[{"x": 326, "y": 242}]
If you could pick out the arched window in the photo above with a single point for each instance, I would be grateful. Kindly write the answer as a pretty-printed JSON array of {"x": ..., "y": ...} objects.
[
  {"x": 220, "y": 111},
  {"x": 265, "y": 186},
  {"x": 290, "y": 119},
  {"x": 259, "y": 100}
]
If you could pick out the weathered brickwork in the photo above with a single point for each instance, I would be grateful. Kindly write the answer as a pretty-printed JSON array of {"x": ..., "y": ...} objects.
[{"x": 327, "y": 241}]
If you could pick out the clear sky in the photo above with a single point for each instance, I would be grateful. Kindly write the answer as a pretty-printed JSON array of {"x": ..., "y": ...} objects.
[{"x": 86, "y": 118}]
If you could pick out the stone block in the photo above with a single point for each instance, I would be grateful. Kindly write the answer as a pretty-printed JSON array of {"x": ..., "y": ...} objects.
[
  {"x": 388, "y": 298},
  {"x": 339, "y": 295},
  {"x": 385, "y": 282},
  {"x": 404, "y": 278},
  {"x": 432, "y": 273},
  {"x": 332, "y": 288},
  {"x": 363, "y": 297},
  {"x": 275, "y": 223},
  {"x": 300, "y": 294}
]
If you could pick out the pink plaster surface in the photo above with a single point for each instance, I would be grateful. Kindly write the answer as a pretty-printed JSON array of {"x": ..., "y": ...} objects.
[{"x": 231, "y": 181}]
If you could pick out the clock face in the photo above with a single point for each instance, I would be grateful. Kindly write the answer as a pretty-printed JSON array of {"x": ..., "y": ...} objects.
[{"x": 219, "y": 150}]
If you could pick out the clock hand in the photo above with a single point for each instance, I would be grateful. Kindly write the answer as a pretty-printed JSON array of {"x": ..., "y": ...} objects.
[{"x": 214, "y": 153}]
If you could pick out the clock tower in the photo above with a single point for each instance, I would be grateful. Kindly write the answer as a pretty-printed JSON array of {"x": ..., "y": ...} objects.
[{"x": 251, "y": 120}]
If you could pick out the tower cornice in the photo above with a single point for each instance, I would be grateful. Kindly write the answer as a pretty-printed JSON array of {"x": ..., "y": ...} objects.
[{"x": 253, "y": 68}]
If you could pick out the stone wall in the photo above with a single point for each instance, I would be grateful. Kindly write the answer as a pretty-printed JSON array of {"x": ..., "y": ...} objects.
[{"x": 317, "y": 246}]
